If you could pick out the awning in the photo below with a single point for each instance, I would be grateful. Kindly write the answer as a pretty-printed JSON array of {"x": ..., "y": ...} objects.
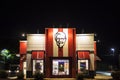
[{"x": 98, "y": 58}]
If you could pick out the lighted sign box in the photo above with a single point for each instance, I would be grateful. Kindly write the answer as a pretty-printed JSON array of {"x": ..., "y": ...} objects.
[
  {"x": 85, "y": 41},
  {"x": 35, "y": 42}
]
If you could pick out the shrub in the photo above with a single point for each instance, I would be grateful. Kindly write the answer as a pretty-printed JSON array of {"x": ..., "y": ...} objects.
[
  {"x": 38, "y": 76},
  {"x": 20, "y": 75},
  {"x": 3, "y": 74},
  {"x": 115, "y": 75},
  {"x": 80, "y": 76}
]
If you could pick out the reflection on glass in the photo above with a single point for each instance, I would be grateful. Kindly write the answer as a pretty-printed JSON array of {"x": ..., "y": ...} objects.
[
  {"x": 38, "y": 66},
  {"x": 82, "y": 66},
  {"x": 60, "y": 67}
]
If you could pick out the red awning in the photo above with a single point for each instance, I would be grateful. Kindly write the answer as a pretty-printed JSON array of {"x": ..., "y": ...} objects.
[
  {"x": 83, "y": 54},
  {"x": 86, "y": 55},
  {"x": 37, "y": 54}
]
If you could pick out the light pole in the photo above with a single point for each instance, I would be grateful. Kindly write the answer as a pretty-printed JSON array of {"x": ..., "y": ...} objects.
[
  {"x": 113, "y": 54},
  {"x": 23, "y": 36},
  {"x": 113, "y": 50}
]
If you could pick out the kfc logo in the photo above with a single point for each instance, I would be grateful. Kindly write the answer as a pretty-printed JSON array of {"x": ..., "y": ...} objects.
[{"x": 60, "y": 39}]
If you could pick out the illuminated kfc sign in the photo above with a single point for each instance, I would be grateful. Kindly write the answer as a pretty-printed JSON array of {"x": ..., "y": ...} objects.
[{"x": 60, "y": 39}]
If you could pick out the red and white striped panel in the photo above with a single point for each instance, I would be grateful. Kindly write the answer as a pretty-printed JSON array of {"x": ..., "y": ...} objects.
[{"x": 68, "y": 50}]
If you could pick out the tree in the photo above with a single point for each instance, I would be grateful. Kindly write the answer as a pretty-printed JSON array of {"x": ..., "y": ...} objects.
[
  {"x": 4, "y": 53},
  {"x": 8, "y": 58}
]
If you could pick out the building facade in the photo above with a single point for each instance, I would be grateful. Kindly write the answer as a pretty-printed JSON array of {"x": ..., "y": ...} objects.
[{"x": 60, "y": 52}]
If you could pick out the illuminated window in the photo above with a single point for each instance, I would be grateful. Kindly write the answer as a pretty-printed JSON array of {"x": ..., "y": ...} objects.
[
  {"x": 82, "y": 66},
  {"x": 60, "y": 67},
  {"x": 38, "y": 66}
]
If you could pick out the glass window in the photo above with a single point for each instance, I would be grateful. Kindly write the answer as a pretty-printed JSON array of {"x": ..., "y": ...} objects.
[
  {"x": 38, "y": 66},
  {"x": 60, "y": 67},
  {"x": 82, "y": 66}
]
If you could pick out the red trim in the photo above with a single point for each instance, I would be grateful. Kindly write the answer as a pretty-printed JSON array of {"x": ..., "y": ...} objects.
[
  {"x": 60, "y": 29},
  {"x": 72, "y": 48},
  {"x": 49, "y": 49},
  {"x": 60, "y": 50},
  {"x": 83, "y": 55},
  {"x": 95, "y": 48},
  {"x": 21, "y": 65},
  {"x": 70, "y": 42},
  {"x": 74, "y": 53},
  {"x": 22, "y": 59},
  {"x": 23, "y": 47},
  {"x": 49, "y": 42},
  {"x": 37, "y": 54}
]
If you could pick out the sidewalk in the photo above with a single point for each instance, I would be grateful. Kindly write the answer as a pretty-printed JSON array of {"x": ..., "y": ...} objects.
[
  {"x": 102, "y": 77},
  {"x": 59, "y": 79},
  {"x": 97, "y": 77}
]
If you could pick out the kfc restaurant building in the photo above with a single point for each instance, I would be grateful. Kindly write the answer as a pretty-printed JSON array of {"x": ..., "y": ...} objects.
[{"x": 60, "y": 52}]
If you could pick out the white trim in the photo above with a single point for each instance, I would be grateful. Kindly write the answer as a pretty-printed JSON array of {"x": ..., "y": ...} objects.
[
  {"x": 55, "y": 47},
  {"x": 65, "y": 47}
]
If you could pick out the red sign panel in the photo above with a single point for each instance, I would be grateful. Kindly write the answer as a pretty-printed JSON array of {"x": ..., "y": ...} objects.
[
  {"x": 83, "y": 54},
  {"x": 37, "y": 54},
  {"x": 95, "y": 47},
  {"x": 23, "y": 47}
]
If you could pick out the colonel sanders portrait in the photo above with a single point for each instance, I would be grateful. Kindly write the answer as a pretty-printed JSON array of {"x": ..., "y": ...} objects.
[{"x": 60, "y": 39}]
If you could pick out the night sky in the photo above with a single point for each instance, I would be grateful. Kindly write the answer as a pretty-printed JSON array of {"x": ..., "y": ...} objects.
[{"x": 99, "y": 17}]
